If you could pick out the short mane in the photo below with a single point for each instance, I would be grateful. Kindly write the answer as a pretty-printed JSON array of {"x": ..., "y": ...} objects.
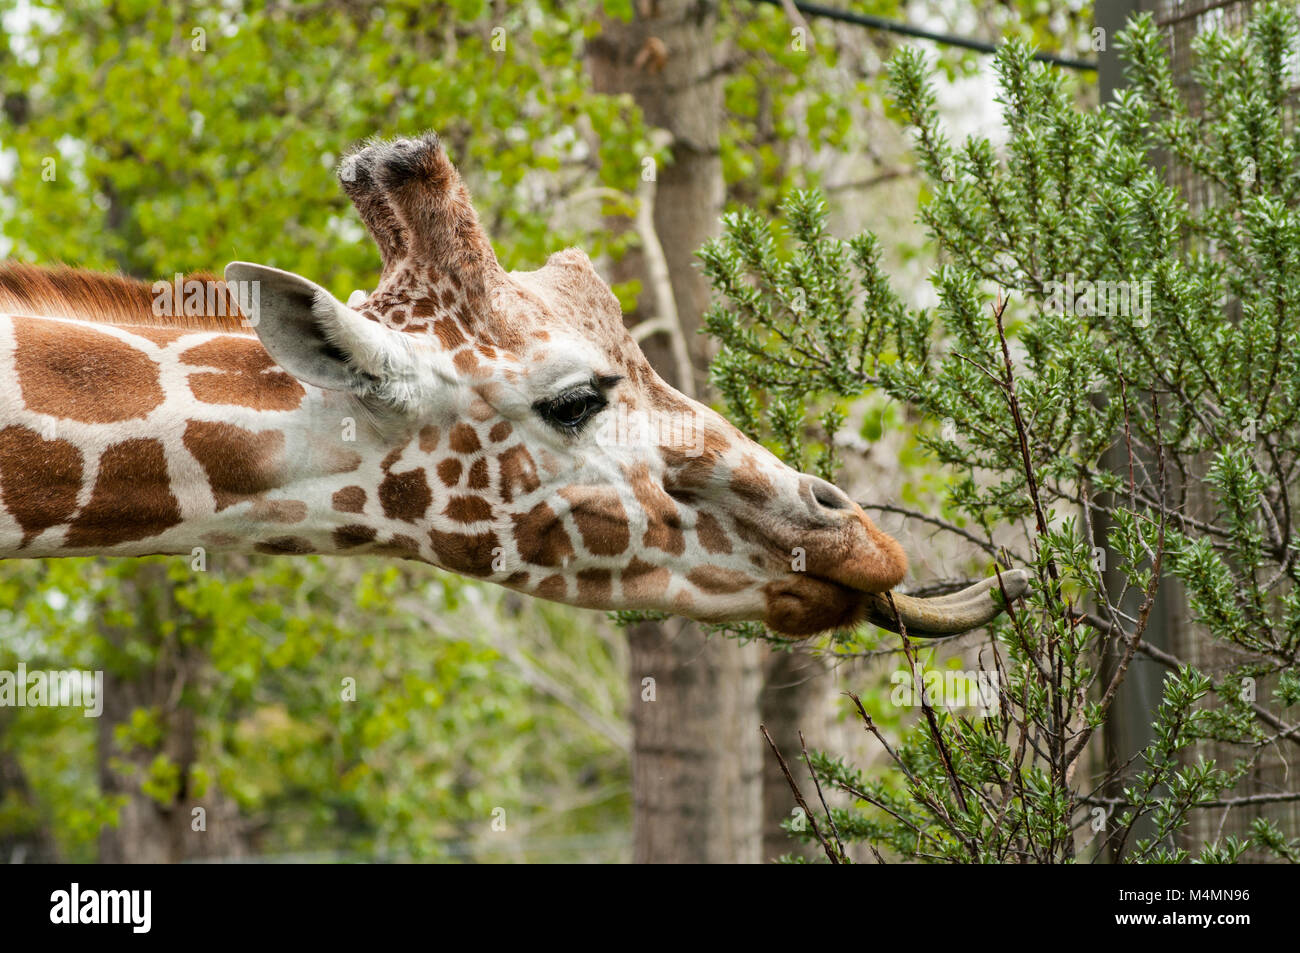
[{"x": 64, "y": 292}]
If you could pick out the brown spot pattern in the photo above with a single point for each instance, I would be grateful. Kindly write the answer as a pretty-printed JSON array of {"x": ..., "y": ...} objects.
[
  {"x": 246, "y": 375},
  {"x": 460, "y": 552},
  {"x": 601, "y": 519},
  {"x": 715, "y": 579},
  {"x": 749, "y": 483},
  {"x": 350, "y": 499},
  {"x": 468, "y": 509},
  {"x": 663, "y": 521},
  {"x": 449, "y": 471},
  {"x": 132, "y": 498},
  {"x": 401, "y": 546},
  {"x": 518, "y": 473},
  {"x": 554, "y": 588},
  {"x": 240, "y": 464},
  {"x": 463, "y": 439},
  {"x": 279, "y": 511},
  {"x": 71, "y": 372},
  {"x": 338, "y": 460},
  {"x": 643, "y": 582},
  {"x": 466, "y": 363},
  {"x": 405, "y": 496},
  {"x": 594, "y": 587},
  {"x": 541, "y": 537},
  {"x": 285, "y": 546},
  {"x": 346, "y": 537},
  {"x": 712, "y": 536},
  {"x": 449, "y": 334},
  {"x": 39, "y": 479}
]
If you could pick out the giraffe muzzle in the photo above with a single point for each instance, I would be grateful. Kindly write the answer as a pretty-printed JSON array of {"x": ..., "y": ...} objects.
[{"x": 853, "y": 574}]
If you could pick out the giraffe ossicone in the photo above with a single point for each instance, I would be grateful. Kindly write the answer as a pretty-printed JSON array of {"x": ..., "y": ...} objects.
[{"x": 501, "y": 425}]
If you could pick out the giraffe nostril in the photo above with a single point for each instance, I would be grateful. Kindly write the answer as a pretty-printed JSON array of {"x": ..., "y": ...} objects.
[{"x": 829, "y": 496}]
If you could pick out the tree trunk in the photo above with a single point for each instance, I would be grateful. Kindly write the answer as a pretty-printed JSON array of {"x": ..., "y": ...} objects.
[
  {"x": 696, "y": 780},
  {"x": 23, "y": 843},
  {"x": 695, "y": 756},
  {"x": 157, "y": 830}
]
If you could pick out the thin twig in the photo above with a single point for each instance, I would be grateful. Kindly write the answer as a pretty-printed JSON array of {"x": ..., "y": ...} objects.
[
  {"x": 798, "y": 797},
  {"x": 830, "y": 818}
]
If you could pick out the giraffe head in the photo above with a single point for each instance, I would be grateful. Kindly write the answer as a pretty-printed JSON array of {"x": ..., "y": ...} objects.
[{"x": 528, "y": 440}]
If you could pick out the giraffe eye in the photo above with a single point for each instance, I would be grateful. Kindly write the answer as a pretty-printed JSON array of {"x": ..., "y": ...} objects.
[{"x": 570, "y": 411}]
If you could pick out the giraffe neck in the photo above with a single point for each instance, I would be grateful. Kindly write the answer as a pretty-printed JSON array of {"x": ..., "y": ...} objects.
[{"x": 129, "y": 440}]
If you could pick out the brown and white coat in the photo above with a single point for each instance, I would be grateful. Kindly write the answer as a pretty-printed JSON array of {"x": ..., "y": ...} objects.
[{"x": 501, "y": 425}]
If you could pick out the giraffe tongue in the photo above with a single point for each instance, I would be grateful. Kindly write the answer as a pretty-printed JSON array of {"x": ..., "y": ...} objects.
[{"x": 947, "y": 615}]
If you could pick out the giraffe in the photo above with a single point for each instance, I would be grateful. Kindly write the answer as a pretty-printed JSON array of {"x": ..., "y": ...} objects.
[{"x": 504, "y": 426}]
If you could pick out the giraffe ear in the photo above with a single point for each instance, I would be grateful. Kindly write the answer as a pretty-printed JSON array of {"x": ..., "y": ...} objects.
[{"x": 313, "y": 335}]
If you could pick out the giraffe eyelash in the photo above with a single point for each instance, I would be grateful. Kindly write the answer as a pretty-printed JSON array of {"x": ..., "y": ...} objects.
[{"x": 570, "y": 411}]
